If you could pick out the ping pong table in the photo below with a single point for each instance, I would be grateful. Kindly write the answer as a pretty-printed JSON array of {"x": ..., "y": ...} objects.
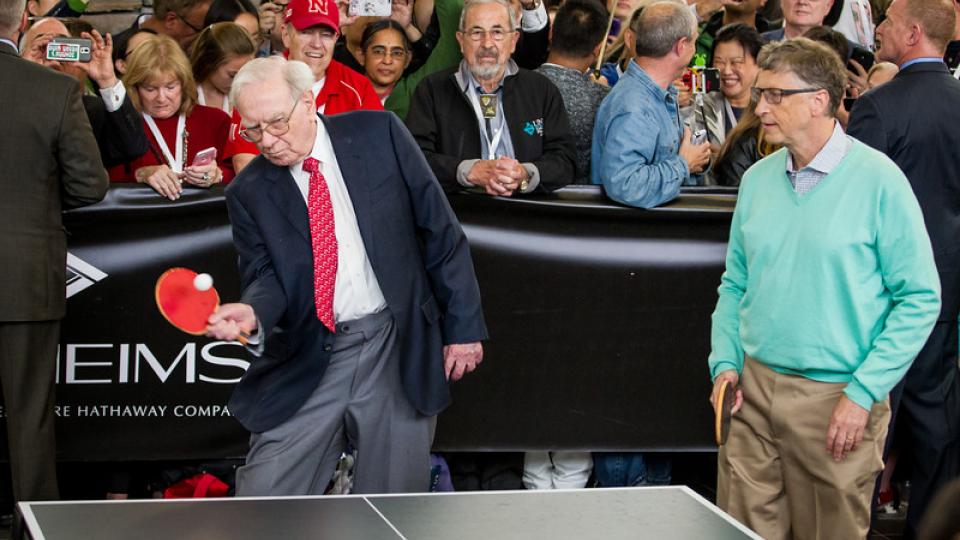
[{"x": 670, "y": 512}]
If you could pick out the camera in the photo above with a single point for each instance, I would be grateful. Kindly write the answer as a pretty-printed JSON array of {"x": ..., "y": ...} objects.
[
  {"x": 69, "y": 50},
  {"x": 701, "y": 80}
]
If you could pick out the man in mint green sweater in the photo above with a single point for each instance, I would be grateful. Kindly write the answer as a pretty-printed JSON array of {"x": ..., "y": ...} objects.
[{"x": 830, "y": 290}]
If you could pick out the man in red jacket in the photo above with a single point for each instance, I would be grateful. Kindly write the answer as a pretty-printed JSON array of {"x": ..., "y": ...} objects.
[{"x": 310, "y": 30}]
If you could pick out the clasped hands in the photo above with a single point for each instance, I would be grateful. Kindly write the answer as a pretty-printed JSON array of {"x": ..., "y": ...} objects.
[
  {"x": 169, "y": 183},
  {"x": 847, "y": 422},
  {"x": 500, "y": 176}
]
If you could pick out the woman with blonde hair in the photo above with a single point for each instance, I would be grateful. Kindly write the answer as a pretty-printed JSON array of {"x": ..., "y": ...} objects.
[
  {"x": 217, "y": 55},
  {"x": 181, "y": 133}
]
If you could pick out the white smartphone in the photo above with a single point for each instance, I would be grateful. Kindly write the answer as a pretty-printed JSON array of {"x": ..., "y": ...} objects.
[
  {"x": 699, "y": 137},
  {"x": 370, "y": 8}
]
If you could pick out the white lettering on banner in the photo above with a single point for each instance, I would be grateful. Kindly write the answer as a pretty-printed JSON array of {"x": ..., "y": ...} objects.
[
  {"x": 200, "y": 410},
  {"x": 73, "y": 363},
  {"x": 108, "y": 363},
  {"x": 189, "y": 351},
  {"x": 122, "y": 410}
]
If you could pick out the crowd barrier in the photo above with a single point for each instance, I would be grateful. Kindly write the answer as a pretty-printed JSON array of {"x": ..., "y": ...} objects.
[{"x": 599, "y": 320}]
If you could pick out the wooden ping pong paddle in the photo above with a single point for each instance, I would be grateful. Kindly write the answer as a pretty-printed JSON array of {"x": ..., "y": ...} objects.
[
  {"x": 183, "y": 304},
  {"x": 726, "y": 396}
]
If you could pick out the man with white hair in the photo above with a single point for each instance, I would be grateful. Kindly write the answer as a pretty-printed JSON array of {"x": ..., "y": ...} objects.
[
  {"x": 488, "y": 124},
  {"x": 358, "y": 290}
]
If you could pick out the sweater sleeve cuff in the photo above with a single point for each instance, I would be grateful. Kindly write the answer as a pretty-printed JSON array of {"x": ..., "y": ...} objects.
[
  {"x": 859, "y": 394},
  {"x": 720, "y": 367}
]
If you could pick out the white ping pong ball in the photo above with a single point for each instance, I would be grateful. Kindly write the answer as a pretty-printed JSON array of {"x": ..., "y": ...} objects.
[{"x": 202, "y": 282}]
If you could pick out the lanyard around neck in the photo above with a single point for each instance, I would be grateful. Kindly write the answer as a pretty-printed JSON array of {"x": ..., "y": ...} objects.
[
  {"x": 492, "y": 142},
  {"x": 175, "y": 161}
]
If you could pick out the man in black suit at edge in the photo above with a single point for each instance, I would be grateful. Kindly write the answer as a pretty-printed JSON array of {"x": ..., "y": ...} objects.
[
  {"x": 48, "y": 161},
  {"x": 915, "y": 120}
]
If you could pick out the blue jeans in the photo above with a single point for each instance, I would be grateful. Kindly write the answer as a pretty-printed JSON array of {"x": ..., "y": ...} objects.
[{"x": 622, "y": 469}]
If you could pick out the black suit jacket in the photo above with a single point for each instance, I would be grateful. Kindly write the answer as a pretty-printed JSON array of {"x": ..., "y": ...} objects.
[
  {"x": 915, "y": 120},
  {"x": 120, "y": 134},
  {"x": 444, "y": 124},
  {"x": 415, "y": 246},
  {"x": 48, "y": 161}
]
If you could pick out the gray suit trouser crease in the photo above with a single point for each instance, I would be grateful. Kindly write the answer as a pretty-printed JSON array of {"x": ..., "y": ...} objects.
[{"x": 360, "y": 400}]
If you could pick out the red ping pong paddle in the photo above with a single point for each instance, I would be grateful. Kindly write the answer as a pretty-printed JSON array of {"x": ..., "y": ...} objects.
[
  {"x": 726, "y": 396},
  {"x": 183, "y": 305}
]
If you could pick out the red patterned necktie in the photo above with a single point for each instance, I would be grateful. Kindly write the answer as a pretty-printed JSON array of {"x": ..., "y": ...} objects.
[{"x": 324, "y": 240}]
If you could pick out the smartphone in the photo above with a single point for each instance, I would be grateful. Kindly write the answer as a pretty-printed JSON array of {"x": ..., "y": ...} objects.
[
  {"x": 205, "y": 157},
  {"x": 699, "y": 137},
  {"x": 69, "y": 49},
  {"x": 370, "y": 8},
  {"x": 863, "y": 57}
]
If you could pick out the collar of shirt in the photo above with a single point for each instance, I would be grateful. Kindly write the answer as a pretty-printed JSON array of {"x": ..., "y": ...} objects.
[
  {"x": 322, "y": 151},
  {"x": 829, "y": 156},
  {"x": 11, "y": 44},
  {"x": 920, "y": 60},
  {"x": 668, "y": 95},
  {"x": 465, "y": 78}
]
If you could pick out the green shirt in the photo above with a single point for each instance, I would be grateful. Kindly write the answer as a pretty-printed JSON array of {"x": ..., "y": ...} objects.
[{"x": 837, "y": 285}]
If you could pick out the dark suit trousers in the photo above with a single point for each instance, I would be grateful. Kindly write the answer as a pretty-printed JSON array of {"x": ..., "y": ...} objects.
[
  {"x": 28, "y": 356},
  {"x": 926, "y": 407}
]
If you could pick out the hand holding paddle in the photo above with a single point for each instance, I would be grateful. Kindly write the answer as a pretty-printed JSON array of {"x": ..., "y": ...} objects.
[
  {"x": 190, "y": 302},
  {"x": 232, "y": 322},
  {"x": 726, "y": 399}
]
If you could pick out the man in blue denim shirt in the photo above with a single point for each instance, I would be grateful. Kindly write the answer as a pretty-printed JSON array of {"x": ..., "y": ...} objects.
[{"x": 641, "y": 150}]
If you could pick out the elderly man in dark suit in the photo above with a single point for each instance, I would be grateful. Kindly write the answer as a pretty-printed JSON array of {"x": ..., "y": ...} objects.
[
  {"x": 49, "y": 162},
  {"x": 915, "y": 120},
  {"x": 358, "y": 288}
]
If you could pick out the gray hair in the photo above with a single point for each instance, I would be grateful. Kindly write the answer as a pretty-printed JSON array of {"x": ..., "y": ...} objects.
[
  {"x": 296, "y": 74},
  {"x": 10, "y": 13},
  {"x": 512, "y": 15},
  {"x": 812, "y": 62},
  {"x": 660, "y": 25}
]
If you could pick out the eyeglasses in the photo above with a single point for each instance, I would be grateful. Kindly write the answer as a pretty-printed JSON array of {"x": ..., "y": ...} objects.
[
  {"x": 775, "y": 95},
  {"x": 379, "y": 51},
  {"x": 277, "y": 127},
  {"x": 479, "y": 34},
  {"x": 183, "y": 18}
]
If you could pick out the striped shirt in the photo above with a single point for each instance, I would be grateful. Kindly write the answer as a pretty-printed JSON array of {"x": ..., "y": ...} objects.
[{"x": 820, "y": 166}]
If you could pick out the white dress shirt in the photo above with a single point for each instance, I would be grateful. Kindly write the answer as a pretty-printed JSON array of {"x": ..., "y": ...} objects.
[{"x": 357, "y": 292}]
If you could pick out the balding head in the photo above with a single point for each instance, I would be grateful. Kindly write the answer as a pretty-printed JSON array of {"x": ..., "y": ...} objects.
[{"x": 34, "y": 44}]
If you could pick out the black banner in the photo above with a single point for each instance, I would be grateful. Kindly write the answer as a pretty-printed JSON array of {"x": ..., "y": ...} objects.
[{"x": 598, "y": 315}]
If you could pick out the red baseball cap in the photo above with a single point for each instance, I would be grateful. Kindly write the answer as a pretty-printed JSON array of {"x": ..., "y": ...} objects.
[{"x": 303, "y": 14}]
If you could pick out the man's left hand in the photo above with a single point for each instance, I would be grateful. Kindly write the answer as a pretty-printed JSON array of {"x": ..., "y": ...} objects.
[
  {"x": 846, "y": 428},
  {"x": 461, "y": 358}
]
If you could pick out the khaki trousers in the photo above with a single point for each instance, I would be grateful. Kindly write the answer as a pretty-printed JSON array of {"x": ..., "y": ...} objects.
[{"x": 774, "y": 473}]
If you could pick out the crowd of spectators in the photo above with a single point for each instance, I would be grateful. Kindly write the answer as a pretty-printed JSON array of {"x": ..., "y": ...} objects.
[{"x": 502, "y": 99}]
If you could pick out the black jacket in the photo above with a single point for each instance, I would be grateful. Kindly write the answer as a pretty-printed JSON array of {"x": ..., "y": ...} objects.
[
  {"x": 120, "y": 134},
  {"x": 444, "y": 124},
  {"x": 915, "y": 120}
]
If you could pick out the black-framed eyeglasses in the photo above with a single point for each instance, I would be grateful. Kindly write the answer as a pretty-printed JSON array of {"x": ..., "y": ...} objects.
[
  {"x": 479, "y": 34},
  {"x": 188, "y": 23},
  {"x": 277, "y": 127},
  {"x": 775, "y": 95}
]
